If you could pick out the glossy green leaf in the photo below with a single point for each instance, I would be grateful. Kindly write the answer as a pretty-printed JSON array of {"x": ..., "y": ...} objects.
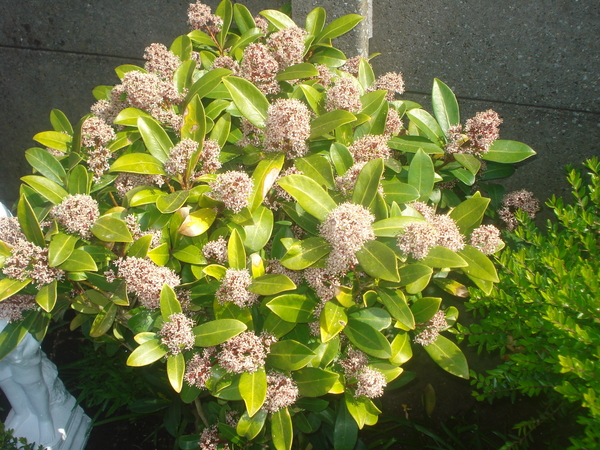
[
  {"x": 29, "y": 222},
  {"x": 277, "y": 326},
  {"x": 425, "y": 308},
  {"x": 445, "y": 106},
  {"x": 366, "y": 77},
  {"x": 264, "y": 176},
  {"x": 139, "y": 249},
  {"x": 176, "y": 371},
  {"x": 271, "y": 284},
  {"x": 217, "y": 331},
  {"x": 392, "y": 226},
  {"x": 442, "y": 257},
  {"x": 415, "y": 277},
  {"x": 396, "y": 191},
  {"x": 326, "y": 352},
  {"x": 221, "y": 129},
  {"x": 297, "y": 71},
  {"x": 378, "y": 261},
  {"x": 469, "y": 162},
  {"x": 209, "y": 81},
  {"x": 318, "y": 168},
  {"x": 170, "y": 203},
  {"x": 54, "y": 139},
  {"x": 110, "y": 229},
  {"x": 508, "y": 152},
  {"x": 341, "y": 158},
  {"x": 401, "y": 349},
  {"x": 12, "y": 335},
  {"x": 168, "y": 302},
  {"x": 478, "y": 265},
  {"x": 314, "y": 382},
  {"x": 309, "y": 195},
  {"x": 79, "y": 181},
  {"x": 303, "y": 254},
  {"x": 412, "y": 144},
  {"x": 338, "y": 27},
  {"x": 236, "y": 254},
  {"x": 156, "y": 139},
  {"x": 197, "y": 222},
  {"x": 367, "y": 183},
  {"x": 138, "y": 163},
  {"x": 279, "y": 20},
  {"x": 259, "y": 233},
  {"x": 449, "y": 357},
  {"x": 282, "y": 430},
  {"x": 332, "y": 321},
  {"x": 315, "y": 21},
  {"x": 60, "y": 248},
  {"x": 190, "y": 254},
  {"x": 426, "y": 124},
  {"x": 362, "y": 409},
  {"x": 129, "y": 117},
  {"x": 104, "y": 320},
  {"x": 250, "y": 427},
  {"x": 253, "y": 389},
  {"x": 46, "y": 188},
  {"x": 293, "y": 307},
  {"x": 421, "y": 174},
  {"x": 377, "y": 318},
  {"x": 79, "y": 261},
  {"x": 147, "y": 353},
  {"x": 248, "y": 99},
  {"x": 243, "y": 18},
  {"x": 345, "y": 431},
  {"x": 468, "y": 214},
  {"x": 46, "y": 164},
  {"x": 194, "y": 121},
  {"x": 46, "y": 296},
  {"x": 396, "y": 304},
  {"x": 289, "y": 355},
  {"x": 330, "y": 121},
  {"x": 368, "y": 339},
  {"x": 182, "y": 78},
  {"x": 60, "y": 122},
  {"x": 159, "y": 255}
]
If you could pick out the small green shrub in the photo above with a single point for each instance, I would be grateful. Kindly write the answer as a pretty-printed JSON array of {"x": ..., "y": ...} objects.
[
  {"x": 10, "y": 442},
  {"x": 544, "y": 315}
]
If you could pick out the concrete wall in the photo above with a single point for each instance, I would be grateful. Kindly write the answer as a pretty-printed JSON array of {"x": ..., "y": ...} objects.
[{"x": 537, "y": 63}]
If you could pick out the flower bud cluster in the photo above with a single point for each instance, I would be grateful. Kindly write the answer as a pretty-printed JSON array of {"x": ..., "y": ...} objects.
[
  {"x": 430, "y": 330},
  {"x": 523, "y": 200},
  {"x": 245, "y": 352},
  {"x": 177, "y": 334},
  {"x": 282, "y": 392},
  {"x": 77, "y": 213},
  {"x": 233, "y": 188},
  {"x": 234, "y": 288}
]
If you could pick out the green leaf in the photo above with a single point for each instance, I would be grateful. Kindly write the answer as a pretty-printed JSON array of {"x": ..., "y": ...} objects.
[
  {"x": 168, "y": 302},
  {"x": 79, "y": 181},
  {"x": 60, "y": 248},
  {"x": 362, "y": 409},
  {"x": 289, "y": 355},
  {"x": 236, "y": 254},
  {"x": 445, "y": 106},
  {"x": 421, "y": 174},
  {"x": 279, "y": 20},
  {"x": 259, "y": 233},
  {"x": 318, "y": 168},
  {"x": 329, "y": 122},
  {"x": 366, "y": 77},
  {"x": 170, "y": 203},
  {"x": 129, "y": 117},
  {"x": 368, "y": 339},
  {"x": 29, "y": 222},
  {"x": 190, "y": 254},
  {"x": 313, "y": 97},
  {"x": 330, "y": 56},
  {"x": 338, "y": 27},
  {"x": 478, "y": 265},
  {"x": 415, "y": 277},
  {"x": 427, "y": 125},
  {"x": 176, "y": 371},
  {"x": 160, "y": 255},
  {"x": 264, "y": 176},
  {"x": 449, "y": 357},
  {"x": 282, "y": 431},
  {"x": 194, "y": 122},
  {"x": 293, "y": 308},
  {"x": 315, "y": 21},
  {"x": 303, "y": 254},
  {"x": 345, "y": 431},
  {"x": 209, "y": 81},
  {"x": 508, "y": 152},
  {"x": 392, "y": 226},
  {"x": 469, "y": 162},
  {"x": 138, "y": 163},
  {"x": 54, "y": 139},
  {"x": 341, "y": 158},
  {"x": 182, "y": 78},
  {"x": 155, "y": 138},
  {"x": 12, "y": 335},
  {"x": 217, "y": 331},
  {"x": 147, "y": 353},
  {"x": 314, "y": 382},
  {"x": 253, "y": 389},
  {"x": 110, "y": 229},
  {"x": 249, "y": 427},
  {"x": 271, "y": 284},
  {"x": 46, "y": 296},
  {"x": 248, "y": 99},
  {"x": 367, "y": 183},
  {"x": 221, "y": 130},
  {"x": 377, "y": 318},
  {"x": 425, "y": 308},
  {"x": 277, "y": 326},
  {"x": 468, "y": 214},
  {"x": 396, "y": 191},
  {"x": 79, "y": 261},
  {"x": 378, "y": 261},
  {"x": 60, "y": 122},
  {"x": 46, "y": 188},
  {"x": 396, "y": 304},
  {"x": 243, "y": 18},
  {"x": 307, "y": 192},
  {"x": 139, "y": 249},
  {"x": 46, "y": 164},
  {"x": 401, "y": 349},
  {"x": 104, "y": 320},
  {"x": 198, "y": 222},
  {"x": 412, "y": 144},
  {"x": 333, "y": 319},
  {"x": 297, "y": 71},
  {"x": 442, "y": 257}
]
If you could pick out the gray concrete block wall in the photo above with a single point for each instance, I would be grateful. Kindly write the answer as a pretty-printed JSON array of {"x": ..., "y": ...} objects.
[{"x": 536, "y": 63}]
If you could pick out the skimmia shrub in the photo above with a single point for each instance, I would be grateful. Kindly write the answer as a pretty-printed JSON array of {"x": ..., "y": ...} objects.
[
  {"x": 257, "y": 215},
  {"x": 543, "y": 315}
]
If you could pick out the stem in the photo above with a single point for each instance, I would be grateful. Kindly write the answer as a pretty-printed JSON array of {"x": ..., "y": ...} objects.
[{"x": 200, "y": 412}]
